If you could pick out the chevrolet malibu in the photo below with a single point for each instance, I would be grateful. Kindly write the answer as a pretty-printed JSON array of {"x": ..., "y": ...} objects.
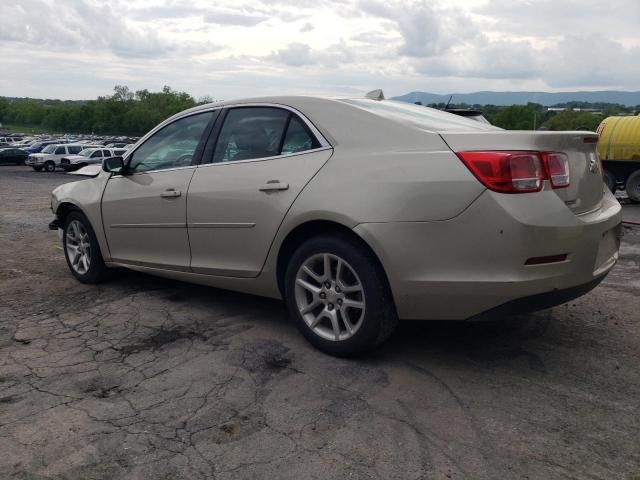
[{"x": 356, "y": 212}]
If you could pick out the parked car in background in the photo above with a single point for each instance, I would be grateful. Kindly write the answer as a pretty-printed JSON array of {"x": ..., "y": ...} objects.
[
  {"x": 37, "y": 147},
  {"x": 12, "y": 155},
  {"x": 117, "y": 145},
  {"x": 88, "y": 156},
  {"x": 357, "y": 212},
  {"x": 50, "y": 156}
]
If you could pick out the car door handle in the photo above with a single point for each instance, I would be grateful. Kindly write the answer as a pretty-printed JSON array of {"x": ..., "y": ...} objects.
[
  {"x": 274, "y": 185},
  {"x": 170, "y": 193}
]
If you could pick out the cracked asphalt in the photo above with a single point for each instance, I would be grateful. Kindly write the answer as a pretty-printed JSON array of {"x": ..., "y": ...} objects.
[{"x": 145, "y": 378}]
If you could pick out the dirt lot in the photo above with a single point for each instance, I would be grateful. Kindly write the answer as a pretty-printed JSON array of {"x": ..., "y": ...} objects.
[{"x": 144, "y": 378}]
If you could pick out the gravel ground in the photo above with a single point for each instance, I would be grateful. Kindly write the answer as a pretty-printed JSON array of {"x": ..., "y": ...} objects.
[{"x": 144, "y": 378}]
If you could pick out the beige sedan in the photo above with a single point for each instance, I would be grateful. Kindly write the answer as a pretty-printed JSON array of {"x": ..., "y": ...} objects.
[{"x": 358, "y": 212}]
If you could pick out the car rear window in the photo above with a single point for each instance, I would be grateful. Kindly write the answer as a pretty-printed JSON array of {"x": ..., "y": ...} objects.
[{"x": 417, "y": 115}]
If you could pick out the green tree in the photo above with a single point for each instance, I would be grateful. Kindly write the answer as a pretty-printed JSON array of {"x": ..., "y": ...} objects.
[{"x": 570, "y": 120}]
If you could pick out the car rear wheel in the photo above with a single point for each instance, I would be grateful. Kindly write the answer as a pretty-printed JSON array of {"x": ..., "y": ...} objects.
[
  {"x": 338, "y": 296},
  {"x": 609, "y": 180},
  {"x": 50, "y": 166},
  {"x": 82, "y": 251},
  {"x": 633, "y": 186}
]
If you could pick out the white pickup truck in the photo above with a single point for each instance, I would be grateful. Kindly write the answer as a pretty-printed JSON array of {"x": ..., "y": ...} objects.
[
  {"x": 51, "y": 155},
  {"x": 89, "y": 156}
]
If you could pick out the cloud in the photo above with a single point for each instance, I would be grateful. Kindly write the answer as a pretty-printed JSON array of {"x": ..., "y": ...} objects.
[
  {"x": 299, "y": 54},
  {"x": 557, "y": 18},
  {"x": 307, "y": 27},
  {"x": 228, "y": 17},
  {"x": 427, "y": 29},
  {"x": 491, "y": 60},
  {"x": 77, "y": 24},
  {"x": 280, "y": 46}
]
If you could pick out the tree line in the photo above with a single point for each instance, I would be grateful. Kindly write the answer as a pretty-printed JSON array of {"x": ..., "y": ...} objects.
[
  {"x": 124, "y": 112},
  {"x": 134, "y": 113},
  {"x": 534, "y": 116}
]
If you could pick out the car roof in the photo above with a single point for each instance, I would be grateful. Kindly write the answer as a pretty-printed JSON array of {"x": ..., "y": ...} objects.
[{"x": 357, "y": 121}]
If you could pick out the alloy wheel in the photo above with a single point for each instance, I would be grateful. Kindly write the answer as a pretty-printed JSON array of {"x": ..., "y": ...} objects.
[
  {"x": 330, "y": 297},
  {"x": 78, "y": 247}
]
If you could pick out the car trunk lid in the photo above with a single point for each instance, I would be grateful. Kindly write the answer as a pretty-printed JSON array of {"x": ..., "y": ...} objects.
[{"x": 584, "y": 193}]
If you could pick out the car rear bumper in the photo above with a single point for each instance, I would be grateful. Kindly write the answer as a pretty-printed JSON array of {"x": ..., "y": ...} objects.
[{"x": 475, "y": 263}]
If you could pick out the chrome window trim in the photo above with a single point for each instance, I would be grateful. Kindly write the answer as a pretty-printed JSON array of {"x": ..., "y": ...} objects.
[
  {"x": 171, "y": 169},
  {"x": 262, "y": 159}
]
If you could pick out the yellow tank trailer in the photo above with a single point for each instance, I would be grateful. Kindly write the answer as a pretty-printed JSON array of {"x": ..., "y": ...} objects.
[{"x": 619, "y": 149}]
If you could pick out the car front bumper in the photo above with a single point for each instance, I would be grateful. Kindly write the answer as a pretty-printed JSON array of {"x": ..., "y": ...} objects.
[{"x": 473, "y": 264}]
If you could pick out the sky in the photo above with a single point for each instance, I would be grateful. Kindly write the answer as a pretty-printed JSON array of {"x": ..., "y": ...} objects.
[{"x": 79, "y": 49}]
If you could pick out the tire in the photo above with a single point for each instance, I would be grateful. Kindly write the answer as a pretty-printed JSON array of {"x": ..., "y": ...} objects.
[
  {"x": 370, "y": 316},
  {"x": 609, "y": 180},
  {"x": 92, "y": 270},
  {"x": 49, "y": 166},
  {"x": 633, "y": 186},
  {"x": 37, "y": 169}
]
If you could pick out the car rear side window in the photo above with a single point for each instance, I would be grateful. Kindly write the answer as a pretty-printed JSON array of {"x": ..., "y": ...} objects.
[
  {"x": 298, "y": 137},
  {"x": 261, "y": 132},
  {"x": 172, "y": 146},
  {"x": 251, "y": 132}
]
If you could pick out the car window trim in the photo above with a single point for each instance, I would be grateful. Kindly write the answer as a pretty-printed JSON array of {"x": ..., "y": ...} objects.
[
  {"x": 264, "y": 159},
  {"x": 197, "y": 153},
  {"x": 207, "y": 157},
  {"x": 284, "y": 133}
]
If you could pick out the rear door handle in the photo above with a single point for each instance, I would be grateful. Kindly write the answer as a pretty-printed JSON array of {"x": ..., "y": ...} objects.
[
  {"x": 171, "y": 193},
  {"x": 274, "y": 185}
]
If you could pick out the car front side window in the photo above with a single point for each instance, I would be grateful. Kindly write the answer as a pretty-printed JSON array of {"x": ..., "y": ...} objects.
[{"x": 172, "y": 146}]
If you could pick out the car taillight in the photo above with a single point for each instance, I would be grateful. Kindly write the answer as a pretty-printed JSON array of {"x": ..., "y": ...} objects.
[
  {"x": 558, "y": 168},
  {"x": 517, "y": 171},
  {"x": 506, "y": 172}
]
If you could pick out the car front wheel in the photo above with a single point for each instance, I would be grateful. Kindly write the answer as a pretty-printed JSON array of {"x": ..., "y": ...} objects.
[
  {"x": 82, "y": 251},
  {"x": 339, "y": 296},
  {"x": 50, "y": 166}
]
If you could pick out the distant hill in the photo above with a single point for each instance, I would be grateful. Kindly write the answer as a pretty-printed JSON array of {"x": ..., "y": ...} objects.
[{"x": 522, "y": 98}]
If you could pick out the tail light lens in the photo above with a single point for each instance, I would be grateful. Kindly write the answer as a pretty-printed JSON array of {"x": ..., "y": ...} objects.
[
  {"x": 558, "y": 168},
  {"x": 518, "y": 171}
]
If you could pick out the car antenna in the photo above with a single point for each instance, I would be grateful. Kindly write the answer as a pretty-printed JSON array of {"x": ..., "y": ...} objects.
[{"x": 449, "y": 102}]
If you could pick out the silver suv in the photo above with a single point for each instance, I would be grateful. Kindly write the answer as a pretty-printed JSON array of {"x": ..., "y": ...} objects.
[{"x": 51, "y": 155}]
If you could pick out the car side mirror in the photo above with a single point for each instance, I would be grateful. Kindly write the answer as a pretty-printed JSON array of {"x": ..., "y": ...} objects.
[{"x": 113, "y": 165}]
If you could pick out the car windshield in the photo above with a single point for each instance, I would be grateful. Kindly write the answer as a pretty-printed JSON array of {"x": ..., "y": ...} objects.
[
  {"x": 49, "y": 149},
  {"x": 87, "y": 152},
  {"x": 423, "y": 117}
]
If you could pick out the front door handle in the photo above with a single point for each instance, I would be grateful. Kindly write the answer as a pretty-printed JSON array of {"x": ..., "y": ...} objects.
[
  {"x": 170, "y": 193},
  {"x": 274, "y": 185}
]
